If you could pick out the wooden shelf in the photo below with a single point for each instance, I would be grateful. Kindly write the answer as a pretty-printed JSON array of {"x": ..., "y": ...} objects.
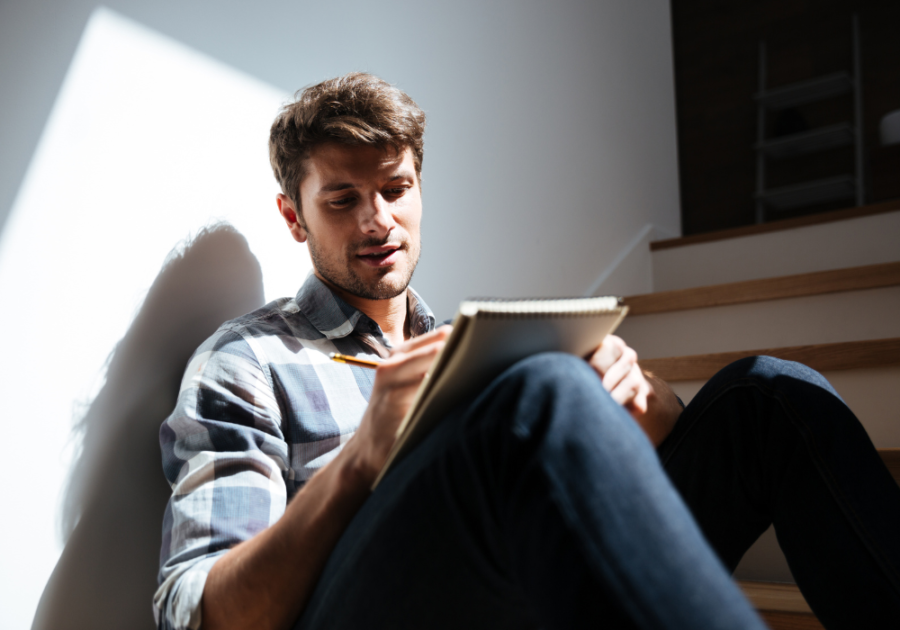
[
  {"x": 805, "y": 91},
  {"x": 809, "y": 193},
  {"x": 816, "y": 283},
  {"x": 824, "y": 357},
  {"x": 807, "y": 142}
]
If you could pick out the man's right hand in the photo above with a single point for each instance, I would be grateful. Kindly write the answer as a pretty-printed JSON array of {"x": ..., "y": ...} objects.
[
  {"x": 396, "y": 381},
  {"x": 265, "y": 582}
]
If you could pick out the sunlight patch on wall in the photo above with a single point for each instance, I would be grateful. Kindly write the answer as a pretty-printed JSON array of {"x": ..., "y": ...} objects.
[{"x": 148, "y": 142}]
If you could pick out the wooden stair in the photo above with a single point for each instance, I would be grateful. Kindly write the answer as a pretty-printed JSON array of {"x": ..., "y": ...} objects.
[
  {"x": 824, "y": 357},
  {"x": 834, "y": 240},
  {"x": 782, "y": 606},
  {"x": 869, "y": 289},
  {"x": 797, "y": 285}
]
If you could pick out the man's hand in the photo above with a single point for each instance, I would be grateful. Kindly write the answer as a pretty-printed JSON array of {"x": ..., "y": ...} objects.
[
  {"x": 396, "y": 381},
  {"x": 264, "y": 582},
  {"x": 649, "y": 400}
]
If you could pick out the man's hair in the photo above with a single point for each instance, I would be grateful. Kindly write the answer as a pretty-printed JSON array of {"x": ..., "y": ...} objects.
[{"x": 355, "y": 109}]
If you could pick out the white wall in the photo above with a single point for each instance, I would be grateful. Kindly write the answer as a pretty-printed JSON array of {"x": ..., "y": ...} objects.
[
  {"x": 551, "y": 137},
  {"x": 551, "y": 140}
]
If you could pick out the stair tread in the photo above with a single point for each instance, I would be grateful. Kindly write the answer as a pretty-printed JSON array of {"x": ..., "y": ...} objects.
[
  {"x": 815, "y": 283},
  {"x": 823, "y": 357},
  {"x": 777, "y": 620},
  {"x": 775, "y": 226},
  {"x": 774, "y": 596}
]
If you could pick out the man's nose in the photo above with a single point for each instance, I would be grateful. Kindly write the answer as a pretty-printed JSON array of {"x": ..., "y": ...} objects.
[{"x": 376, "y": 219}]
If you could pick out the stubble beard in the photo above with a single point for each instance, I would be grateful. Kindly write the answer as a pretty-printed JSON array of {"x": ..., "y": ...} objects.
[{"x": 346, "y": 277}]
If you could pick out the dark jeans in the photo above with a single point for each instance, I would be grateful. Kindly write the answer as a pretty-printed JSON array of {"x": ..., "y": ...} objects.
[{"x": 542, "y": 505}]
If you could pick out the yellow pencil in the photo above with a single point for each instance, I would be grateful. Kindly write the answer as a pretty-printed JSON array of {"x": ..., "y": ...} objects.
[{"x": 343, "y": 358}]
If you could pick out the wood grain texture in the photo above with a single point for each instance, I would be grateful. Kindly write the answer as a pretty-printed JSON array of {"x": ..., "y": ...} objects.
[
  {"x": 849, "y": 355},
  {"x": 774, "y": 596},
  {"x": 790, "y": 621},
  {"x": 776, "y": 226},
  {"x": 817, "y": 283}
]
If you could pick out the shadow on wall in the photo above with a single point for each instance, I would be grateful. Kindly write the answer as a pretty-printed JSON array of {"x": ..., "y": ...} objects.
[{"x": 113, "y": 511}]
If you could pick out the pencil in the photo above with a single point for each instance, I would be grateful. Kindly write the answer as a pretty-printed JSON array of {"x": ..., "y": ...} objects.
[{"x": 343, "y": 358}]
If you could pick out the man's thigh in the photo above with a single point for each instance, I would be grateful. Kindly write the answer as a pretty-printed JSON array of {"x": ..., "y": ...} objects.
[{"x": 422, "y": 552}]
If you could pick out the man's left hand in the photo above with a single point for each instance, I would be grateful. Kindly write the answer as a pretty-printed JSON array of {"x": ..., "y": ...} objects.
[{"x": 649, "y": 400}]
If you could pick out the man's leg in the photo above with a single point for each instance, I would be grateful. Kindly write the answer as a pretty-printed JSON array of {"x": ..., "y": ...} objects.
[
  {"x": 541, "y": 504},
  {"x": 769, "y": 441}
]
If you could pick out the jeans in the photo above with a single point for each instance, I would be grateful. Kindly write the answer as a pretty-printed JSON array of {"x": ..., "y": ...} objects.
[{"x": 541, "y": 504}]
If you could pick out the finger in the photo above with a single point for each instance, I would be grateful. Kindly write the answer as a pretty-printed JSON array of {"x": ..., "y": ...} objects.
[
  {"x": 639, "y": 404},
  {"x": 438, "y": 334},
  {"x": 607, "y": 354},
  {"x": 626, "y": 390},
  {"x": 408, "y": 367},
  {"x": 620, "y": 369}
]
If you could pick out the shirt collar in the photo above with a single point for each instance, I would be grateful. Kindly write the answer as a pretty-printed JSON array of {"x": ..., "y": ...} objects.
[{"x": 335, "y": 319}]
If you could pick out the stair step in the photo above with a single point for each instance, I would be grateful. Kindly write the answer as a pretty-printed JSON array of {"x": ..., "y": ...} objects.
[
  {"x": 804, "y": 320},
  {"x": 790, "y": 621},
  {"x": 862, "y": 236},
  {"x": 822, "y": 357},
  {"x": 815, "y": 283},
  {"x": 722, "y": 292},
  {"x": 775, "y": 596}
]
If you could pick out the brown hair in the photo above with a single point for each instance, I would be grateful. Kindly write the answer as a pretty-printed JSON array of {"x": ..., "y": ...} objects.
[{"x": 357, "y": 108}]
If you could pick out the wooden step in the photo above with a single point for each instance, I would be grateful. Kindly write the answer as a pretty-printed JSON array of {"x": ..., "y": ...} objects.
[
  {"x": 775, "y": 596},
  {"x": 861, "y": 236},
  {"x": 816, "y": 283},
  {"x": 790, "y": 621},
  {"x": 781, "y": 606},
  {"x": 775, "y": 226},
  {"x": 822, "y": 357}
]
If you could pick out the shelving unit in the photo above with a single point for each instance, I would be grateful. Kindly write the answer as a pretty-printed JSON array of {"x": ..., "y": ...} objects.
[
  {"x": 771, "y": 100},
  {"x": 808, "y": 141}
]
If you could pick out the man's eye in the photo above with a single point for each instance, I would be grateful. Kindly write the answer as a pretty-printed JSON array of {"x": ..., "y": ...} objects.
[
  {"x": 343, "y": 201},
  {"x": 396, "y": 192}
]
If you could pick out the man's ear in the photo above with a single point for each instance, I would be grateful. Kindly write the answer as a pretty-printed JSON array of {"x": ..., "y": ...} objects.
[{"x": 291, "y": 217}]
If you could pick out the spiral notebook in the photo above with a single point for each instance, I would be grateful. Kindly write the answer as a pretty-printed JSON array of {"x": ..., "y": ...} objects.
[{"x": 488, "y": 337}]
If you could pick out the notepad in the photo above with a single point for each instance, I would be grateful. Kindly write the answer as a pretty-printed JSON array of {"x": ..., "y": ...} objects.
[{"x": 488, "y": 337}]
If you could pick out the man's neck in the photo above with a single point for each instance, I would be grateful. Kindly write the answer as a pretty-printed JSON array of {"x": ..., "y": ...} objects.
[{"x": 389, "y": 314}]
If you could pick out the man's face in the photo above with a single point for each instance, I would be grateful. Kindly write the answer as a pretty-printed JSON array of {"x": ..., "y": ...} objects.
[{"x": 361, "y": 209}]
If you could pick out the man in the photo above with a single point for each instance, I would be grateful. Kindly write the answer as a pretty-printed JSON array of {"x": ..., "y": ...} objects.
[{"x": 541, "y": 503}]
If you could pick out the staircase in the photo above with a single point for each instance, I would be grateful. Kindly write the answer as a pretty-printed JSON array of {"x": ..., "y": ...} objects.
[{"x": 823, "y": 290}]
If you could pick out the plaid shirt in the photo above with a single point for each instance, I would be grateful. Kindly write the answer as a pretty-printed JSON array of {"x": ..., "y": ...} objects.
[{"x": 261, "y": 409}]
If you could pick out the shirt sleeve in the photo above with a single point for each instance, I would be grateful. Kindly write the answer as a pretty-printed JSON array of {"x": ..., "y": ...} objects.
[{"x": 225, "y": 456}]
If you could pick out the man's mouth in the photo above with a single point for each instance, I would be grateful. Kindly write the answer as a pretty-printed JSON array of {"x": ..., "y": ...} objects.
[{"x": 380, "y": 256}]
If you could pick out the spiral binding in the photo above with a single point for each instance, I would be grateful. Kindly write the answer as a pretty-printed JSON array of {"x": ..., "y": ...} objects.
[{"x": 536, "y": 307}]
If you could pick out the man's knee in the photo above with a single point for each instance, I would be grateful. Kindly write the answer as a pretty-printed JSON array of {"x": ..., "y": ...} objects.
[
  {"x": 556, "y": 388},
  {"x": 795, "y": 388},
  {"x": 551, "y": 376},
  {"x": 551, "y": 369},
  {"x": 772, "y": 372}
]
